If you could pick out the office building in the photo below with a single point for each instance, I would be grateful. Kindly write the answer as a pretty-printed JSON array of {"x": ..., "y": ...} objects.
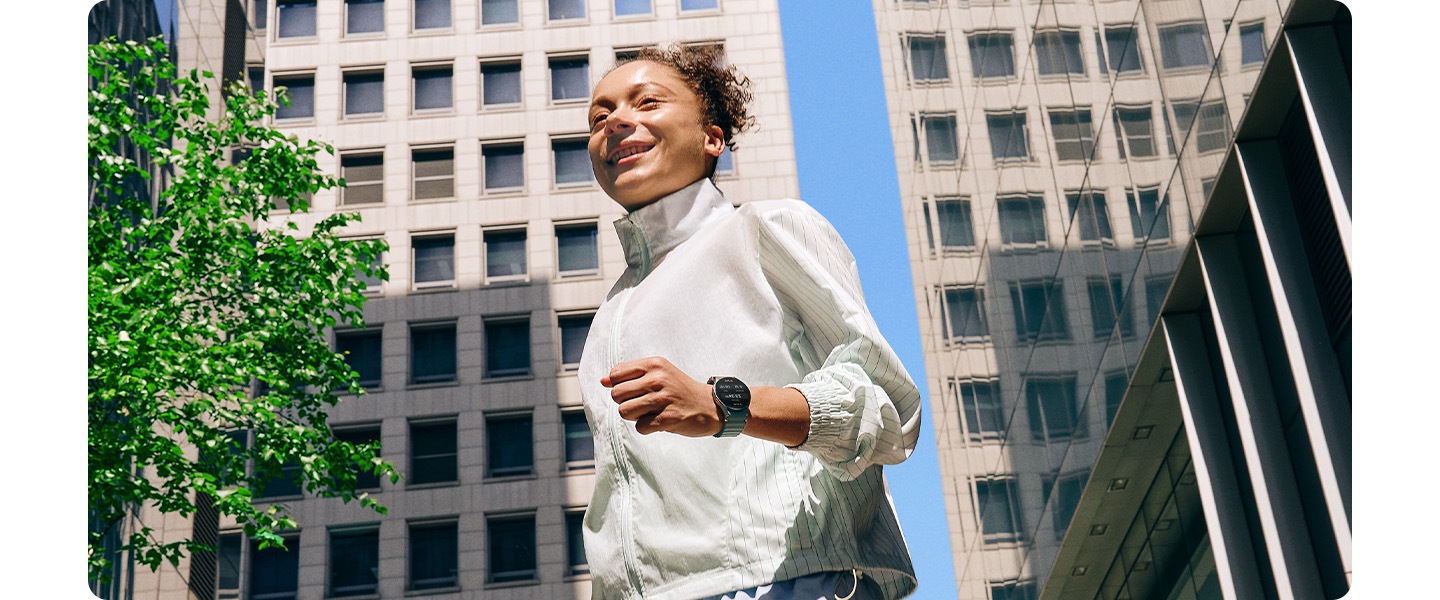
[
  {"x": 1054, "y": 160},
  {"x": 459, "y": 127}
]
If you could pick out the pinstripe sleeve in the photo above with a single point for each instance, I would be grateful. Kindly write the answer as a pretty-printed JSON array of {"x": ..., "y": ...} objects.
[{"x": 864, "y": 408}]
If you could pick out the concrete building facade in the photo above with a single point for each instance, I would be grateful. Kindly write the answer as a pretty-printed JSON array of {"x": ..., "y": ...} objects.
[
  {"x": 1054, "y": 159},
  {"x": 459, "y": 127}
]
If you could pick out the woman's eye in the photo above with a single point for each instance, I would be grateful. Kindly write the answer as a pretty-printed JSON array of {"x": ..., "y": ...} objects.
[{"x": 597, "y": 121}]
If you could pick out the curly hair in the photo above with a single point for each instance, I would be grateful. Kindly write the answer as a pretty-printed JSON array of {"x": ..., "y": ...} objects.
[{"x": 723, "y": 90}]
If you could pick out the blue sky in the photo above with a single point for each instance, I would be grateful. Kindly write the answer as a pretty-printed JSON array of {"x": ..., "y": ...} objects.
[{"x": 847, "y": 172}]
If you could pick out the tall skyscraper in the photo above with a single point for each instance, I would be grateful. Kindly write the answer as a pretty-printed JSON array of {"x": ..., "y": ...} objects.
[
  {"x": 459, "y": 127},
  {"x": 1054, "y": 158}
]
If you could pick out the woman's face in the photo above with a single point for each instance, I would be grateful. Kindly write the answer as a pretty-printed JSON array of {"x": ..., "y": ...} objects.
[{"x": 647, "y": 134}]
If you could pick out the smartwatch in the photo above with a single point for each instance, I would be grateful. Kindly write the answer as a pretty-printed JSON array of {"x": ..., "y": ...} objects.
[{"x": 733, "y": 398}]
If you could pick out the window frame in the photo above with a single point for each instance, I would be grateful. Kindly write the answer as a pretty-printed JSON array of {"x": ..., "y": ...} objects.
[
  {"x": 374, "y": 330},
  {"x": 416, "y": 178},
  {"x": 1035, "y": 213},
  {"x": 1123, "y": 137},
  {"x": 496, "y": 422},
  {"x": 513, "y": 373},
  {"x": 1021, "y": 116},
  {"x": 1038, "y": 409},
  {"x": 923, "y": 128},
  {"x": 412, "y": 454},
  {"x": 1112, "y": 290},
  {"x": 1161, "y": 208},
  {"x": 355, "y": 430},
  {"x": 485, "y": 175},
  {"x": 485, "y": 253},
  {"x": 935, "y": 226},
  {"x": 680, "y": 8},
  {"x": 589, "y": 224},
  {"x": 508, "y": 60},
  {"x": 939, "y": 49},
  {"x": 976, "y": 63},
  {"x": 1165, "y": 56},
  {"x": 1053, "y": 325},
  {"x": 581, "y": 142},
  {"x": 345, "y": 32},
  {"x": 453, "y": 524},
  {"x": 480, "y": 17},
  {"x": 431, "y": 67},
  {"x": 1063, "y": 35},
  {"x": 574, "y": 518},
  {"x": 978, "y": 293},
  {"x": 1248, "y": 27},
  {"x": 582, "y": 19},
  {"x": 250, "y": 573},
  {"x": 550, "y": 60},
  {"x": 971, "y": 412},
  {"x": 616, "y": 16},
  {"x": 282, "y": 79},
  {"x": 569, "y": 464},
  {"x": 451, "y": 378},
  {"x": 280, "y": 21},
  {"x": 438, "y": 284},
  {"x": 415, "y": 27},
  {"x": 366, "y": 71},
  {"x": 1086, "y": 136},
  {"x": 1096, "y": 217},
  {"x": 332, "y": 563},
  {"x": 513, "y": 577},
  {"x": 1134, "y": 37},
  {"x": 361, "y": 154},
  {"x": 1016, "y": 532}
]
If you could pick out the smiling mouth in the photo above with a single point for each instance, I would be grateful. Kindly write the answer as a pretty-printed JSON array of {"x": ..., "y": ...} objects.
[{"x": 619, "y": 155}]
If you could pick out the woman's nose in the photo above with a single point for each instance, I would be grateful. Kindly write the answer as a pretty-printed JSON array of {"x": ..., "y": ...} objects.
[{"x": 618, "y": 123}]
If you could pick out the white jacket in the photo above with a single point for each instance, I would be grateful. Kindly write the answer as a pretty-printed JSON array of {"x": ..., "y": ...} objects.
[{"x": 767, "y": 293}]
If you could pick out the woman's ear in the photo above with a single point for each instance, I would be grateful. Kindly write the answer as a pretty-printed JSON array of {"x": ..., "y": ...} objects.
[{"x": 714, "y": 140}]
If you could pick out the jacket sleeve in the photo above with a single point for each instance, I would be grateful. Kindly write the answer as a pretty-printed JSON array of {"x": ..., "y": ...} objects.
[{"x": 864, "y": 408}]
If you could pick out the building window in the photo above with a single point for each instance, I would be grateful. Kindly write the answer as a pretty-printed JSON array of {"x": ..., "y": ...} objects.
[
  {"x": 373, "y": 283},
  {"x": 285, "y": 481},
  {"x": 365, "y": 479},
  {"x": 432, "y": 14},
  {"x": 505, "y": 255},
  {"x": 499, "y": 12},
  {"x": 504, "y": 167},
  {"x": 579, "y": 444},
  {"x": 1134, "y": 135},
  {"x": 301, "y": 89},
  {"x": 998, "y": 506},
  {"x": 297, "y": 18},
  {"x": 725, "y": 164},
  {"x": 1039, "y": 311},
  {"x": 354, "y": 562},
  {"x": 953, "y": 223},
  {"x": 432, "y": 353},
  {"x": 364, "y": 176},
  {"x": 434, "y": 556},
  {"x": 1149, "y": 215},
  {"x": 1051, "y": 405},
  {"x": 1107, "y": 307},
  {"x": 1184, "y": 45},
  {"x": 1058, "y": 52},
  {"x": 1252, "y": 43},
  {"x": 434, "y": 261},
  {"x": 1074, "y": 135},
  {"x": 500, "y": 83},
  {"x": 569, "y": 78},
  {"x": 689, "y": 5},
  {"x": 258, "y": 13},
  {"x": 433, "y": 453},
  {"x": 364, "y": 16},
  {"x": 434, "y": 173},
  {"x": 507, "y": 347},
  {"x": 1012, "y": 590},
  {"x": 1115, "y": 384},
  {"x": 1123, "y": 49},
  {"x": 573, "y": 331},
  {"x": 575, "y": 562},
  {"x": 1088, "y": 212},
  {"x": 632, "y": 8},
  {"x": 1022, "y": 221},
  {"x": 1155, "y": 290},
  {"x": 1066, "y": 493},
  {"x": 927, "y": 58},
  {"x": 1008, "y": 141},
  {"x": 572, "y": 162},
  {"x": 964, "y": 318},
  {"x": 511, "y": 548},
  {"x": 509, "y": 448},
  {"x": 364, "y": 93},
  {"x": 577, "y": 249},
  {"x": 362, "y": 353},
  {"x": 560, "y": 10},
  {"x": 228, "y": 555},
  {"x": 1212, "y": 132},
  {"x": 432, "y": 87},
  {"x": 992, "y": 54},
  {"x": 941, "y": 143},
  {"x": 274, "y": 572},
  {"x": 979, "y": 402}
]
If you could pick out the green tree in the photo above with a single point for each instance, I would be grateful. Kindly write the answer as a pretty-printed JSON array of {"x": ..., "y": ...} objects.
[{"x": 207, "y": 318}]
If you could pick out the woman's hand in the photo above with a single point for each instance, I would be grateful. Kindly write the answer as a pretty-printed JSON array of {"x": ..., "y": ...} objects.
[{"x": 658, "y": 396}]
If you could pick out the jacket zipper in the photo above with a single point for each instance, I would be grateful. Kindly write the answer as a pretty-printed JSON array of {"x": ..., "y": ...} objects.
[{"x": 627, "y": 537}]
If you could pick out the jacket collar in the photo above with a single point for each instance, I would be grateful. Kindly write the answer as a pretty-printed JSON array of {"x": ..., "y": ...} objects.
[{"x": 656, "y": 228}]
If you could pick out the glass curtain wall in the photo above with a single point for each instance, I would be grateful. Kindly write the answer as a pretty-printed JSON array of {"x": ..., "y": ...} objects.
[{"x": 1086, "y": 136}]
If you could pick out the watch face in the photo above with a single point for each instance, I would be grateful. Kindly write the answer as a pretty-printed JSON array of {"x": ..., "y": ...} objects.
[{"x": 732, "y": 393}]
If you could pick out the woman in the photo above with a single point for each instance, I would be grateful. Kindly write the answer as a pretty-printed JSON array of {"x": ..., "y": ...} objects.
[{"x": 741, "y": 396}]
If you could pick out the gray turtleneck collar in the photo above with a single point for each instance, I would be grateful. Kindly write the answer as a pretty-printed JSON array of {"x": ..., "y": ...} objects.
[{"x": 657, "y": 228}]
